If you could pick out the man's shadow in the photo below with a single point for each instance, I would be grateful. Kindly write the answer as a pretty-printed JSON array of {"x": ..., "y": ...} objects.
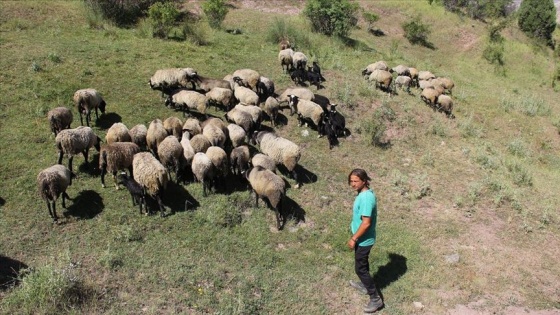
[{"x": 390, "y": 272}]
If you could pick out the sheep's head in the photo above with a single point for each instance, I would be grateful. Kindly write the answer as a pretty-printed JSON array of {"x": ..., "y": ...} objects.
[{"x": 102, "y": 106}]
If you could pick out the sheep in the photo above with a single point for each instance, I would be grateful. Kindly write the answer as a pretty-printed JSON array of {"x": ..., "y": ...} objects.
[
  {"x": 59, "y": 118},
  {"x": 403, "y": 82},
  {"x": 215, "y": 135},
  {"x": 236, "y": 134},
  {"x": 138, "y": 135},
  {"x": 216, "y": 122},
  {"x": 239, "y": 159},
  {"x": 207, "y": 84},
  {"x": 135, "y": 189},
  {"x": 432, "y": 83},
  {"x": 328, "y": 129},
  {"x": 192, "y": 125},
  {"x": 75, "y": 141},
  {"x": 173, "y": 126},
  {"x": 167, "y": 80},
  {"x": 400, "y": 70},
  {"x": 379, "y": 65},
  {"x": 337, "y": 121},
  {"x": 255, "y": 112},
  {"x": 265, "y": 87},
  {"x": 156, "y": 134},
  {"x": 249, "y": 77},
  {"x": 299, "y": 60},
  {"x": 429, "y": 96},
  {"x": 220, "y": 161},
  {"x": 246, "y": 96},
  {"x": 307, "y": 111},
  {"x": 170, "y": 153},
  {"x": 87, "y": 100},
  {"x": 51, "y": 183},
  {"x": 382, "y": 79},
  {"x": 444, "y": 103},
  {"x": 114, "y": 157},
  {"x": 220, "y": 96},
  {"x": 204, "y": 171},
  {"x": 266, "y": 184},
  {"x": 240, "y": 118},
  {"x": 425, "y": 75},
  {"x": 447, "y": 84},
  {"x": 188, "y": 150},
  {"x": 271, "y": 108},
  {"x": 229, "y": 78},
  {"x": 200, "y": 143},
  {"x": 188, "y": 100},
  {"x": 153, "y": 177},
  {"x": 285, "y": 59},
  {"x": 302, "y": 93},
  {"x": 281, "y": 150},
  {"x": 413, "y": 75},
  {"x": 264, "y": 161},
  {"x": 118, "y": 132},
  {"x": 284, "y": 44}
]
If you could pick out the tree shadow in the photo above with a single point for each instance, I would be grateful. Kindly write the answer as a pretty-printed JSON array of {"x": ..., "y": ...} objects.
[
  {"x": 10, "y": 271},
  {"x": 86, "y": 205},
  {"x": 355, "y": 44},
  {"x": 391, "y": 271},
  {"x": 105, "y": 121},
  {"x": 376, "y": 32}
]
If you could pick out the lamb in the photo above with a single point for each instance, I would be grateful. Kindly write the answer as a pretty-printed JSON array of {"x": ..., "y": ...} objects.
[
  {"x": 429, "y": 96},
  {"x": 246, "y": 96},
  {"x": 204, "y": 171},
  {"x": 382, "y": 79},
  {"x": 173, "y": 126},
  {"x": 307, "y": 111},
  {"x": 116, "y": 156},
  {"x": 271, "y": 108},
  {"x": 153, "y": 177},
  {"x": 379, "y": 65},
  {"x": 281, "y": 150},
  {"x": 285, "y": 58},
  {"x": 59, "y": 118},
  {"x": 167, "y": 80},
  {"x": 249, "y": 77},
  {"x": 444, "y": 103},
  {"x": 220, "y": 161},
  {"x": 87, "y": 100},
  {"x": 403, "y": 82},
  {"x": 220, "y": 96},
  {"x": 237, "y": 135},
  {"x": 207, "y": 84},
  {"x": 188, "y": 100},
  {"x": 264, "y": 161},
  {"x": 135, "y": 189},
  {"x": 200, "y": 143},
  {"x": 118, "y": 132},
  {"x": 156, "y": 134},
  {"x": 240, "y": 118},
  {"x": 265, "y": 87},
  {"x": 215, "y": 135},
  {"x": 299, "y": 60},
  {"x": 239, "y": 159},
  {"x": 170, "y": 153},
  {"x": 138, "y": 135},
  {"x": 51, "y": 183},
  {"x": 266, "y": 184},
  {"x": 75, "y": 141},
  {"x": 192, "y": 126}
]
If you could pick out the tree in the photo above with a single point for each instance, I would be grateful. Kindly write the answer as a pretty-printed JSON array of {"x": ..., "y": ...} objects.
[
  {"x": 537, "y": 18},
  {"x": 332, "y": 17},
  {"x": 216, "y": 11}
]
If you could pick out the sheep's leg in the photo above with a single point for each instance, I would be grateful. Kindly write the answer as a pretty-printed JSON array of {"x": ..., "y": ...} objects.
[
  {"x": 86, "y": 153},
  {"x": 103, "y": 172},
  {"x": 81, "y": 119},
  {"x": 70, "y": 162},
  {"x": 55, "y": 217},
  {"x": 60, "y": 155},
  {"x": 278, "y": 225},
  {"x": 256, "y": 199},
  {"x": 160, "y": 203},
  {"x": 115, "y": 180},
  {"x": 295, "y": 177},
  {"x": 96, "y": 114},
  {"x": 50, "y": 210},
  {"x": 64, "y": 197}
]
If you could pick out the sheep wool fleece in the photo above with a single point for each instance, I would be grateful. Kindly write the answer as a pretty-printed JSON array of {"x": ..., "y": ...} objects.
[{"x": 365, "y": 205}]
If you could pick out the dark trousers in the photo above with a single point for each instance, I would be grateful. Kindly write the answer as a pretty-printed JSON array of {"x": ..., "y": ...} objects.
[{"x": 361, "y": 266}]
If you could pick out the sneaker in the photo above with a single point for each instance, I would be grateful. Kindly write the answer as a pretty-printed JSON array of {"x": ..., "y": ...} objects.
[
  {"x": 358, "y": 285},
  {"x": 374, "y": 305}
]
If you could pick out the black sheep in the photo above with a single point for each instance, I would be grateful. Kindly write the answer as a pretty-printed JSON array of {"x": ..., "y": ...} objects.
[
  {"x": 337, "y": 121},
  {"x": 135, "y": 189}
]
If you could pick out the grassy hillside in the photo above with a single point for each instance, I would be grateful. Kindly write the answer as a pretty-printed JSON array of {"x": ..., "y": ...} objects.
[{"x": 482, "y": 188}]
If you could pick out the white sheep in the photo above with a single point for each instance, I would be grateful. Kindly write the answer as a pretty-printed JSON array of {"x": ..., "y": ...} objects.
[
  {"x": 403, "y": 82},
  {"x": 237, "y": 135},
  {"x": 299, "y": 60},
  {"x": 255, "y": 112},
  {"x": 382, "y": 79},
  {"x": 215, "y": 135},
  {"x": 271, "y": 108},
  {"x": 220, "y": 97},
  {"x": 400, "y": 70},
  {"x": 138, "y": 135},
  {"x": 173, "y": 126},
  {"x": 188, "y": 151},
  {"x": 118, "y": 132},
  {"x": 429, "y": 96},
  {"x": 203, "y": 170},
  {"x": 240, "y": 118},
  {"x": 114, "y": 157},
  {"x": 266, "y": 184},
  {"x": 264, "y": 161},
  {"x": 285, "y": 58},
  {"x": 167, "y": 80},
  {"x": 379, "y": 65},
  {"x": 281, "y": 150},
  {"x": 51, "y": 183},
  {"x": 71, "y": 142},
  {"x": 249, "y": 78},
  {"x": 207, "y": 84},
  {"x": 59, "y": 118},
  {"x": 200, "y": 143},
  {"x": 307, "y": 111},
  {"x": 220, "y": 161},
  {"x": 302, "y": 93},
  {"x": 156, "y": 134},
  {"x": 192, "y": 126},
  {"x": 189, "y": 100},
  {"x": 239, "y": 159},
  {"x": 151, "y": 174},
  {"x": 425, "y": 75},
  {"x": 444, "y": 103},
  {"x": 245, "y": 95},
  {"x": 170, "y": 153},
  {"x": 87, "y": 100}
]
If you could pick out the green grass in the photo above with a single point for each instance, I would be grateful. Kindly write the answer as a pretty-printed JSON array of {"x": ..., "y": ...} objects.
[{"x": 435, "y": 179}]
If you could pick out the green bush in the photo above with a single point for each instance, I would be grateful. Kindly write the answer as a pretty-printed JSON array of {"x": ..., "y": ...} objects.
[
  {"x": 280, "y": 29},
  {"x": 478, "y": 9},
  {"x": 120, "y": 12},
  {"x": 216, "y": 11},
  {"x": 162, "y": 17},
  {"x": 331, "y": 17},
  {"x": 537, "y": 19},
  {"x": 494, "y": 53},
  {"x": 417, "y": 32}
]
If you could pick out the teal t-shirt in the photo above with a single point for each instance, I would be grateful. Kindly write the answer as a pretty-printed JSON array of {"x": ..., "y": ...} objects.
[{"x": 365, "y": 205}]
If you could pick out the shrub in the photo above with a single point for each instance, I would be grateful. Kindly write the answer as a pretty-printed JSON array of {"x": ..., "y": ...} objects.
[
  {"x": 537, "y": 19},
  {"x": 417, "y": 32},
  {"x": 120, "y": 12},
  {"x": 478, "y": 9},
  {"x": 216, "y": 11},
  {"x": 162, "y": 17},
  {"x": 331, "y": 17}
]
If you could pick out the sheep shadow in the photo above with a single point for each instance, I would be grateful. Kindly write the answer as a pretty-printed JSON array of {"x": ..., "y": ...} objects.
[
  {"x": 10, "y": 270},
  {"x": 86, "y": 205},
  {"x": 176, "y": 198},
  {"x": 235, "y": 183},
  {"x": 292, "y": 211},
  {"x": 91, "y": 167},
  {"x": 2, "y": 201},
  {"x": 391, "y": 271},
  {"x": 105, "y": 121}
]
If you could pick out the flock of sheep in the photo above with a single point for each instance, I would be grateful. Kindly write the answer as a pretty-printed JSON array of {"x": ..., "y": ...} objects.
[{"x": 435, "y": 90}]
